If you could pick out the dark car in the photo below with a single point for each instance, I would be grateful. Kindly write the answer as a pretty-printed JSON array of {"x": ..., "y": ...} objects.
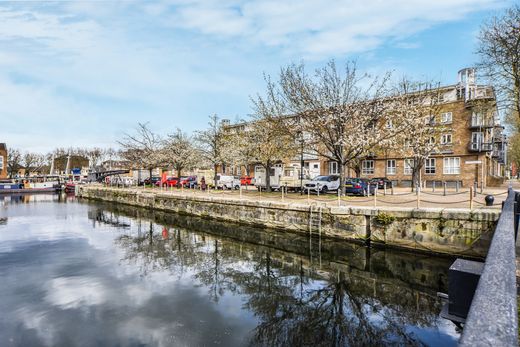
[
  {"x": 359, "y": 186},
  {"x": 381, "y": 181},
  {"x": 188, "y": 181},
  {"x": 152, "y": 181}
]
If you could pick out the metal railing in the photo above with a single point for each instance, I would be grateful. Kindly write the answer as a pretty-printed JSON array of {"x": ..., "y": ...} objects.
[
  {"x": 480, "y": 146},
  {"x": 493, "y": 316}
]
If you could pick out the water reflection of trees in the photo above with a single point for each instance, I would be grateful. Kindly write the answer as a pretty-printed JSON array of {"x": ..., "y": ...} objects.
[{"x": 351, "y": 300}]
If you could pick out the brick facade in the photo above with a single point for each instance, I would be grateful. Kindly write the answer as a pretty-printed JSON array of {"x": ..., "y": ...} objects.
[{"x": 3, "y": 161}]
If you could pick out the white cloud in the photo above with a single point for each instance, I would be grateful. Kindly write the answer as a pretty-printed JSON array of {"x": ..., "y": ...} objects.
[{"x": 320, "y": 28}]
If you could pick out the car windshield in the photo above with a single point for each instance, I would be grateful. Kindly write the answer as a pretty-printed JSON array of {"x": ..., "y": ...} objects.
[{"x": 322, "y": 178}]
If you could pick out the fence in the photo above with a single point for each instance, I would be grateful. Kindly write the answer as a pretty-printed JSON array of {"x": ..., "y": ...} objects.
[{"x": 469, "y": 198}]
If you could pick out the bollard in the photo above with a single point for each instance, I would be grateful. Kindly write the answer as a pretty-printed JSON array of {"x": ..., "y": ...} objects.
[
  {"x": 475, "y": 187},
  {"x": 339, "y": 197},
  {"x": 240, "y": 192},
  {"x": 392, "y": 189},
  {"x": 457, "y": 186},
  {"x": 318, "y": 188},
  {"x": 384, "y": 187},
  {"x": 433, "y": 186},
  {"x": 481, "y": 187},
  {"x": 282, "y": 189},
  {"x": 470, "y": 198},
  {"x": 308, "y": 195},
  {"x": 375, "y": 195},
  {"x": 444, "y": 187}
]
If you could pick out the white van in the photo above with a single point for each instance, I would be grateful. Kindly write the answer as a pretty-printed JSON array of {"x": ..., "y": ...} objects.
[
  {"x": 274, "y": 177},
  {"x": 227, "y": 182}
]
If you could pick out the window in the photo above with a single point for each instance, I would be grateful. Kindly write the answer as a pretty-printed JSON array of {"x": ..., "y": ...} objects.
[
  {"x": 391, "y": 168},
  {"x": 429, "y": 166},
  {"x": 451, "y": 166},
  {"x": 408, "y": 166},
  {"x": 477, "y": 119},
  {"x": 476, "y": 140},
  {"x": 446, "y": 117},
  {"x": 446, "y": 139},
  {"x": 431, "y": 140},
  {"x": 389, "y": 124},
  {"x": 333, "y": 168},
  {"x": 367, "y": 167},
  {"x": 1, "y": 162}
]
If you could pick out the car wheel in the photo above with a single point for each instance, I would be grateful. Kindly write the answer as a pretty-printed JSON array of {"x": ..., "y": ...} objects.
[
  {"x": 324, "y": 190},
  {"x": 237, "y": 187}
]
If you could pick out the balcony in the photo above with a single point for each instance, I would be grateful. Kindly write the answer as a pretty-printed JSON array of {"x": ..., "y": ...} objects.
[
  {"x": 498, "y": 155},
  {"x": 480, "y": 147},
  {"x": 483, "y": 124}
]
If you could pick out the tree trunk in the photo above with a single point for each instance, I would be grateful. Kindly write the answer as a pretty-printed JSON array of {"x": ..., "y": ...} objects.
[
  {"x": 150, "y": 171},
  {"x": 215, "y": 167},
  {"x": 268, "y": 176}
]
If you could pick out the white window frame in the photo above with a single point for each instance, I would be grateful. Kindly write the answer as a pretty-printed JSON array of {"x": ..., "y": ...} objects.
[
  {"x": 451, "y": 166},
  {"x": 477, "y": 119},
  {"x": 446, "y": 139},
  {"x": 391, "y": 167},
  {"x": 333, "y": 168},
  {"x": 477, "y": 138},
  {"x": 1, "y": 162},
  {"x": 408, "y": 166},
  {"x": 446, "y": 117},
  {"x": 430, "y": 166},
  {"x": 367, "y": 167}
]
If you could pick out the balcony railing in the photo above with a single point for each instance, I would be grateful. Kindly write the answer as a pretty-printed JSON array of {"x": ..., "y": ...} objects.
[
  {"x": 480, "y": 147},
  {"x": 487, "y": 123}
]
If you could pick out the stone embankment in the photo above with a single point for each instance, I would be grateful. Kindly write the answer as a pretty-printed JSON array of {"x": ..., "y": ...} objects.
[{"x": 443, "y": 231}]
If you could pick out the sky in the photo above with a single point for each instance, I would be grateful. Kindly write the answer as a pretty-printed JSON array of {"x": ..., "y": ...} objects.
[{"x": 84, "y": 73}]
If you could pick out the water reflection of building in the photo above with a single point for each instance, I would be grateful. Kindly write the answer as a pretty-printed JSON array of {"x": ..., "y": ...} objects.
[{"x": 351, "y": 296}]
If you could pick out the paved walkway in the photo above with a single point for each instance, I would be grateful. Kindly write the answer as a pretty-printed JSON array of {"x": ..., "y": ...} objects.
[{"x": 402, "y": 197}]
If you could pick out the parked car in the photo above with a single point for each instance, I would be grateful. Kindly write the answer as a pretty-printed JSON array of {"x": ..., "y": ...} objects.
[
  {"x": 228, "y": 182},
  {"x": 359, "y": 186},
  {"x": 188, "y": 181},
  {"x": 323, "y": 184},
  {"x": 170, "y": 182},
  {"x": 380, "y": 181},
  {"x": 246, "y": 180},
  {"x": 151, "y": 181}
]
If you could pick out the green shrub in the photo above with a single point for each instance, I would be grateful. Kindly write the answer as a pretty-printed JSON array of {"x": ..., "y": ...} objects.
[{"x": 384, "y": 219}]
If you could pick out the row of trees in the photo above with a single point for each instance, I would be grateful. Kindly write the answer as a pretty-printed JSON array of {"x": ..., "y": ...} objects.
[
  {"x": 338, "y": 114},
  {"x": 32, "y": 162}
]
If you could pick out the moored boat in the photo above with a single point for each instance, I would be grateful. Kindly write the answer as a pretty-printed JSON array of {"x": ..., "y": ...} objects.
[{"x": 34, "y": 184}]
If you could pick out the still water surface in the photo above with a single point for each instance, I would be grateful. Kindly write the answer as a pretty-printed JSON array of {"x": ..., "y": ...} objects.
[{"x": 91, "y": 274}]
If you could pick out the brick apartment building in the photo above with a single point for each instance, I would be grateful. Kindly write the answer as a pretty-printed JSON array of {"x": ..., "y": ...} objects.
[
  {"x": 3, "y": 161},
  {"x": 472, "y": 145}
]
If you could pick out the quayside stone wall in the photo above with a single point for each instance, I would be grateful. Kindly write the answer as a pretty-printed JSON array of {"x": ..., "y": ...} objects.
[{"x": 447, "y": 231}]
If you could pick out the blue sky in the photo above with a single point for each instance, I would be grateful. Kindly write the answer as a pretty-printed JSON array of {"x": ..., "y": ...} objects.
[{"x": 82, "y": 73}]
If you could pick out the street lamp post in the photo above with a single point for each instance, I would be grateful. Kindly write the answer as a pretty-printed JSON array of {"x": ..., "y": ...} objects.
[{"x": 300, "y": 135}]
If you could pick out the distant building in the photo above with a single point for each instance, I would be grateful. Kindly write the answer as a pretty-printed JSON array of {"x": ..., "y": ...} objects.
[{"x": 3, "y": 161}]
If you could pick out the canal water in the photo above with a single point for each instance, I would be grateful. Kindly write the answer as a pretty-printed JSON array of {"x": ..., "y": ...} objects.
[{"x": 92, "y": 274}]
